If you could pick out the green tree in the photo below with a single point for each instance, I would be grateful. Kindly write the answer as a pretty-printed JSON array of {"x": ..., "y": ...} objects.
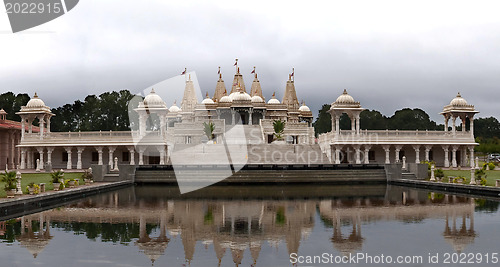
[
  {"x": 372, "y": 120},
  {"x": 12, "y": 103},
  {"x": 279, "y": 129},
  {"x": 486, "y": 127},
  {"x": 411, "y": 119},
  {"x": 323, "y": 122}
]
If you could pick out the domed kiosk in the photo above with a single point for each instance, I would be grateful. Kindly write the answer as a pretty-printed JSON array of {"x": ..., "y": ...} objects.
[{"x": 345, "y": 104}]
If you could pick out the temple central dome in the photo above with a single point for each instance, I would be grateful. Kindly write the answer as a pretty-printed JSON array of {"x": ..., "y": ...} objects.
[{"x": 242, "y": 96}]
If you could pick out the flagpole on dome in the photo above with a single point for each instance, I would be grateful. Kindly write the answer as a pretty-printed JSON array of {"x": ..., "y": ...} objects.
[
  {"x": 236, "y": 65},
  {"x": 293, "y": 74}
]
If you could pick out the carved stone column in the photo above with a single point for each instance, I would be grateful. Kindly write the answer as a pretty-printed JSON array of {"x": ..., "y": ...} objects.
[
  {"x": 446, "y": 157},
  {"x": 23, "y": 158},
  {"x": 79, "y": 160},
  {"x": 141, "y": 155},
  {"x": 69, "y": 164},
  {"x": 367, "y": 155},
  {"x": 99, "y": 152},
  {"x": 131, "y": 150},
  {"x": 417, "y": 153},
  {"x": 397, "y": 148},
  {"x": 427, "y": 151},
  {"x": 49, "y": 155},
  {"x": 454, "y": 156},
  {"x": 387, "y": 149},
  {"x": 357, "y": 154},
  {"x": 40, "y": 152},
  {"x": 111, "y": 150}
]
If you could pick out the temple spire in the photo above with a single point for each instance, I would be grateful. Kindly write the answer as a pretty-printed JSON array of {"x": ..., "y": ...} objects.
[
  {"x": 220, "y": 88},
  {"x": 238, "y": 79},
  {"x": 290, "y": 97},
  {"x": 189, "y": 99},
  {"x": 256, "y": 89}
]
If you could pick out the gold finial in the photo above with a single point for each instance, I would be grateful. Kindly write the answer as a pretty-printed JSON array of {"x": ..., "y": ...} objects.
[
  {"x": 175, "y": 102},
  {"x": 35, "y": 96},
  {"x": 207, "y": 94},
  {"x": 238, "y": 70},
  {"x": 458, "y": 95},
  {"x": 153, "y": 91},
  {"x": 345, "y": 92},
  {"x": 274, "y": 94}
]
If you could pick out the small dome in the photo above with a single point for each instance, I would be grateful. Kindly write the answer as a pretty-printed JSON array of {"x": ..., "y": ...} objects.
[
  {"x": 304, "y": 108},
  {"x": 35, "y": 102},
  {"x": 174, "y": 108},
  {"x": 257, "y": 99},
  {"x": 152, "y": 99},
  {"x": 207, "y": 100},
  {"x": 225, "y": 99},
  {"x": 458, "y": 101},
  {"x": 241, "y": 96},
  {"x": 345, "y": 98},
  {"x": 273, "y": 100}
]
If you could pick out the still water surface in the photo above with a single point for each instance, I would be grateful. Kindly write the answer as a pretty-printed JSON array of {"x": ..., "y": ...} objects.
[{"x": 257, "y": 226}]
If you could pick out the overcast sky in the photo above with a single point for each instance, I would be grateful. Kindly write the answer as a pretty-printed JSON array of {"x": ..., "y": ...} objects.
[{"x": 388, "y": 54}]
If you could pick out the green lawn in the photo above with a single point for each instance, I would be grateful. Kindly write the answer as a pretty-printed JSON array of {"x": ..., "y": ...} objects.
[
  {"x": 491, "y": 176},
  {"x": 41, "y": 178}
]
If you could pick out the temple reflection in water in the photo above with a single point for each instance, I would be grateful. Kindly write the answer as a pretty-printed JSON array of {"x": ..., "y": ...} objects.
[{"x": 233, "y": 226}]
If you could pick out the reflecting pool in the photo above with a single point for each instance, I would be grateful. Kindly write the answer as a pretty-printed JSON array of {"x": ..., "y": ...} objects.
[{"x": 374, "y": 225}]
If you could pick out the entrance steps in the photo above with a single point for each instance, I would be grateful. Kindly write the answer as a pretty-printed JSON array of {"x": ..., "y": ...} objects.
[{"x": 200, "y": 175}]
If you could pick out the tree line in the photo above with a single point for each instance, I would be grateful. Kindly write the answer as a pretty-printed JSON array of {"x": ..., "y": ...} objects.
[{"x": 109, "y": 111}]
